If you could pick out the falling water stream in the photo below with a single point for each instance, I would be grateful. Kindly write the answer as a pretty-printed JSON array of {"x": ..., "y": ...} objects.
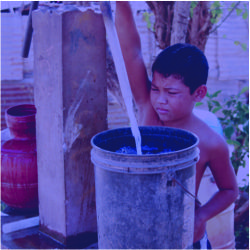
[{"x": 121, "y": 72}]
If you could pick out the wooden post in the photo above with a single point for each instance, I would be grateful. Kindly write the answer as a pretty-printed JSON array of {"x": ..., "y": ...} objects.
[{"x": 71, "y": 101}]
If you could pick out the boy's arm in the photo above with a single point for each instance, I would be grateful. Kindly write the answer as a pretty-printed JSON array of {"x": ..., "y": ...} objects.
[
  {"x": 225, "y": 178},
  {"x": 131, "y": 50}
]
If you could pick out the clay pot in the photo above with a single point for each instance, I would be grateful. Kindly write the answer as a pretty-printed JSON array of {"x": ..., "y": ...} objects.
[{"x": 19, "y": 182}]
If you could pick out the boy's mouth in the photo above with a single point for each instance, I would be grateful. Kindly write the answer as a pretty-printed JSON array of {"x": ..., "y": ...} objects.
[{"x": 162, "y": 111}]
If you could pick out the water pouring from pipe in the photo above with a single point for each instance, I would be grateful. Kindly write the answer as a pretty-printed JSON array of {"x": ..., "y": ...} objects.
[{"x": 121, "y": 71}]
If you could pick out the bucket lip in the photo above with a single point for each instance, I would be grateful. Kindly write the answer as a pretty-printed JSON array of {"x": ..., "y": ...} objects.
[{"x": 144, "y": 155}]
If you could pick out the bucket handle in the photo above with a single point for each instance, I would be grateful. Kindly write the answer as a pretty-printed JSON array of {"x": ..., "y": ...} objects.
[
  {"x": 171, "y": 180},
  {"x": 171, "y": 176},
  {"x": 186, "y": 191}
]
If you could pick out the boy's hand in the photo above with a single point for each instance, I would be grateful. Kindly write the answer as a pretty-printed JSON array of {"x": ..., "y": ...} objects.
[{"x": 199, "y": 225}]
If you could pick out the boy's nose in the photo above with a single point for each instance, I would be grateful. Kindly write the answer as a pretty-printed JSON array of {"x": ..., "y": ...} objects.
[{"x": 162, "y": 99}]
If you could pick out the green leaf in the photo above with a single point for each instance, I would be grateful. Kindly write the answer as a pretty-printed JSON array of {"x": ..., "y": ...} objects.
[
  {"x": 245, "y": 89},
  {"x": 198, "y": 104},
  {"x": 228, "y": 131},
  {"x": 216, "y": 103},
  {"x": 216, "y": 109},
  {"x": 216, "y": 12},
  {"x": 215, "y": 94},
  {"x": 236, "y": 43},
  {"x": 192, "y": 6},
  {"x": 233, "y": 4},
  {"x": 243, "y": 46},
  {"x": 233, "y": 142},
  {"x": 238, "y": 11},
  {"x": 213, "y": 21},
  {"x": 146, "y": 16},
  {"x": 245, "y": 15}
]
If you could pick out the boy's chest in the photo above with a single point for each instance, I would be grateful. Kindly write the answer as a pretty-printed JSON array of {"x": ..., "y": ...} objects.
[
  {"x": 201, "y": 166},
  {"x": 149, "y": 118}
]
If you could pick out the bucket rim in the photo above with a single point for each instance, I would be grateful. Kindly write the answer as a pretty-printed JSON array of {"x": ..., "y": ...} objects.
[
  {"x": 21, "y": 106},
  {"x": 94, "y": 146}
]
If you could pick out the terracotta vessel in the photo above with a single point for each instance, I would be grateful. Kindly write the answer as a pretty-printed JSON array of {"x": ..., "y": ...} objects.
[{"x": 19, "y": 182}]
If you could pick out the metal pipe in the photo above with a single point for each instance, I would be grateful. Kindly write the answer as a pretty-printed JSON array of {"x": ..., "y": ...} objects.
[{"x": 29, "y": 30}]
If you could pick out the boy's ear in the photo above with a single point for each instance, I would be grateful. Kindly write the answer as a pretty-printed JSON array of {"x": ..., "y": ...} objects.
[{"x": 200, "y": 93}]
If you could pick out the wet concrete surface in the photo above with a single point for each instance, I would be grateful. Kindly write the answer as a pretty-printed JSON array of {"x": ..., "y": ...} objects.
[
  {"x": 32, "y": 238},
  {"x": 29, "y": 239}
]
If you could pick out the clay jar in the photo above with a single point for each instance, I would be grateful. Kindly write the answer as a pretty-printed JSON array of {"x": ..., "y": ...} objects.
[{"x": 19, "y": 182}]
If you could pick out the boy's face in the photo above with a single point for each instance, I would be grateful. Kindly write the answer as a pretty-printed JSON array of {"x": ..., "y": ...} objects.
[{"x": 170, "y": 98}]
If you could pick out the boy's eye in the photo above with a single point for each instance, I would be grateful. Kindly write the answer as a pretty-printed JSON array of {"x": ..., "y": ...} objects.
[
  {"x": 172, "y": 93},
  {"x": 154, "y": 89}
]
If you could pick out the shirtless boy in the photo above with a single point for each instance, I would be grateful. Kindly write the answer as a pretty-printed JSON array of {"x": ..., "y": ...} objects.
[{"x": 179, "y": 78}]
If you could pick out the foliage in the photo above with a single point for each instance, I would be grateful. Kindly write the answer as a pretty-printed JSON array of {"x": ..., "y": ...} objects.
[
  {"x": 242, "y": 237},
  {"x": 146, "y": 17},
  {"x": 234, "y": 117},
  {"x": 216, "y": 12},
  {"x": 192, "y": 6},
  {"x": 241, "y": 9}
]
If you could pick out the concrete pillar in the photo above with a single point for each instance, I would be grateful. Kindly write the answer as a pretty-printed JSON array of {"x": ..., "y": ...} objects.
[{"x": 71, "y": 101}]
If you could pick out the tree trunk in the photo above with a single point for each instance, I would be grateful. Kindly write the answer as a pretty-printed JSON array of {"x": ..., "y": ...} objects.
[
  {"x": 180, "y": 22},
  {"x": 164, "y": 12},
  {"x": 199, "y": 25},
  {"x": 171, "y": 23}
]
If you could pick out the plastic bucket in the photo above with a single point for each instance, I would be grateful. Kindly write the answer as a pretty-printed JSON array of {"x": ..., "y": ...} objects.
[{"x": 139, "y": 203}]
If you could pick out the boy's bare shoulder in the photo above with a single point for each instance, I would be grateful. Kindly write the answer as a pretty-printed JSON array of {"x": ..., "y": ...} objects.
[{"x": 209, "y": 139}]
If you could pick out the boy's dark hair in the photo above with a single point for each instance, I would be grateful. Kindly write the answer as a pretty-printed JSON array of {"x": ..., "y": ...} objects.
[{"x": 185, "y": 61}]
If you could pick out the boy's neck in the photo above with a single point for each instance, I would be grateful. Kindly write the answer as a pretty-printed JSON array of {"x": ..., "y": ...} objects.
[{"x": 183, "y": 123}]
